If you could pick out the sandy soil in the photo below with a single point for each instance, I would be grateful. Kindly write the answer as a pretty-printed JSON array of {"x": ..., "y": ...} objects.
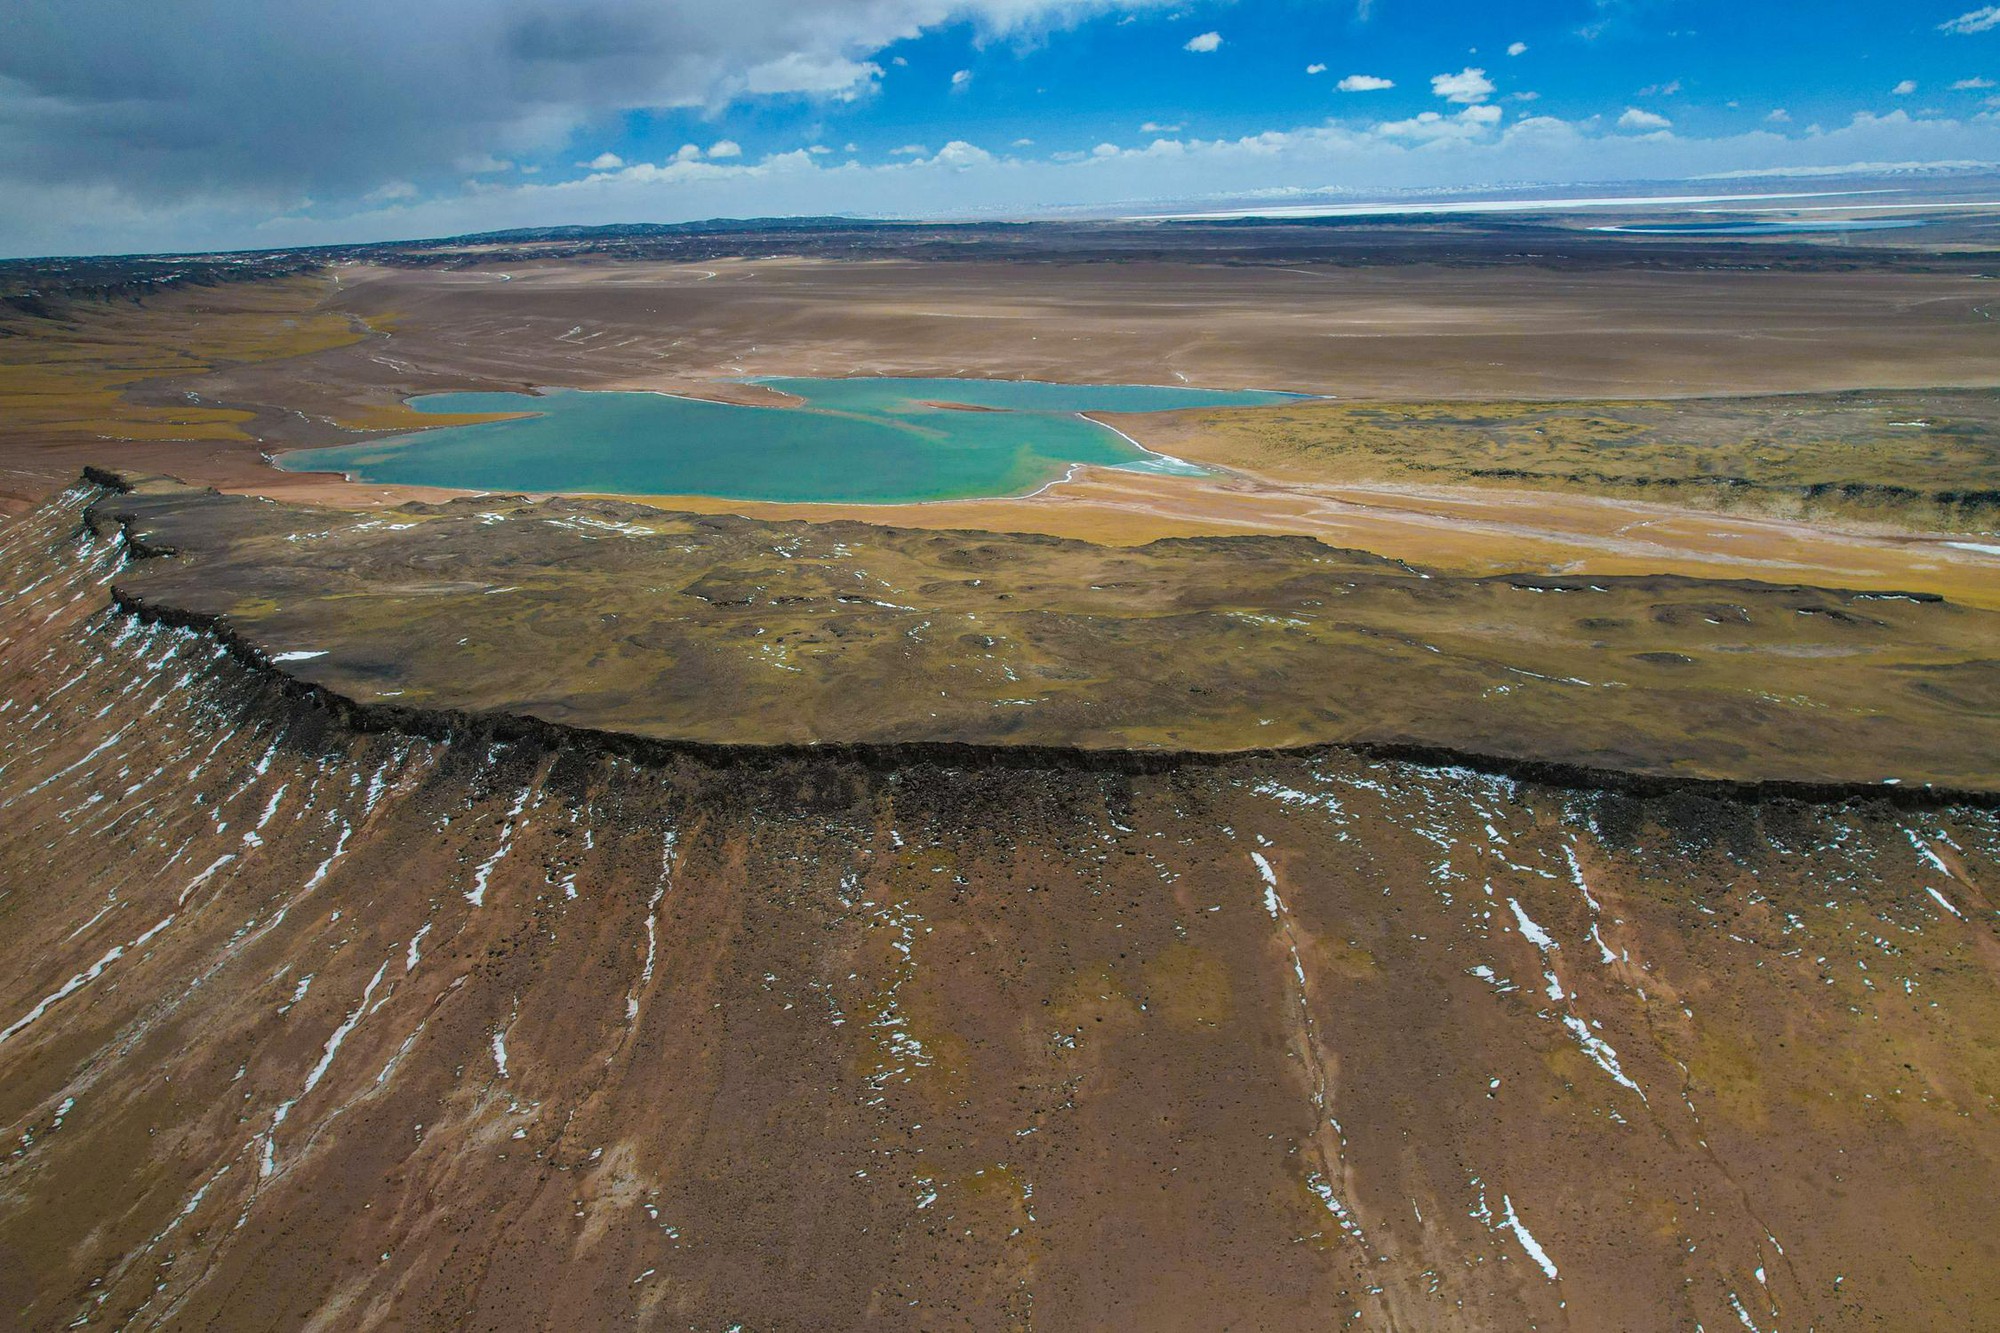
[{"x": 1459, "y": 529}]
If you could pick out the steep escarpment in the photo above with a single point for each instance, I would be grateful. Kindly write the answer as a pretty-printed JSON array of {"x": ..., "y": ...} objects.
[{"x": 309, "y": 1026}]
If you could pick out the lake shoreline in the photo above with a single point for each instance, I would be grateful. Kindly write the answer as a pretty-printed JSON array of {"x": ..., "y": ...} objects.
[{"x": 877, "y": 441}]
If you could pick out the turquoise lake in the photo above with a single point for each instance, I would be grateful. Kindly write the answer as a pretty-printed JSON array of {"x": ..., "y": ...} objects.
[{"x": 854, "y": 441}]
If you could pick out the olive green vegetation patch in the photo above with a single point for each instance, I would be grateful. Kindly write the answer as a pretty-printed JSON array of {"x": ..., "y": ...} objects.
[
  {"x": 728, "y": 630},
  {"x": 1923, "y": 458},
  {"x": 67, "y": 375}
]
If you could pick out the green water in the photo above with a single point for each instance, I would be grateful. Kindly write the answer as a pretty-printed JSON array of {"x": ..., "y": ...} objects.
[{"x": 866, "y": 441}]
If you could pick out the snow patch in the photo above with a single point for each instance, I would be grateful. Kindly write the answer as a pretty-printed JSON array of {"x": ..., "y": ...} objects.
[
  {"x": 1531, "y": 932},
  {"x": 1512, "y": 1221},
  {"x": 1272, "y": 903}
]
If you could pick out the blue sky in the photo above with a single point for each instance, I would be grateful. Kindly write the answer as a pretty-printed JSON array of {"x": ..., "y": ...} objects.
[
  {"x": 1711, "y": 67},
  {"x": 224, "y": 123}
]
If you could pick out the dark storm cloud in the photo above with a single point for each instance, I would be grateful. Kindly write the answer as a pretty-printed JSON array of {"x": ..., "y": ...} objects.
[
  {"x": 250, "y": 99},
  {"x": 580, "y": 38}
]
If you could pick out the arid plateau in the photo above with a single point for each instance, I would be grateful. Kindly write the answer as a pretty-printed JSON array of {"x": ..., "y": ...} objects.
[{"x": 1507, "y": 839}]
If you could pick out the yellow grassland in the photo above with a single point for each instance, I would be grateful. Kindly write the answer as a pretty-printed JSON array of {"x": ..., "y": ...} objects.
[{"x": 70, "y": 376}]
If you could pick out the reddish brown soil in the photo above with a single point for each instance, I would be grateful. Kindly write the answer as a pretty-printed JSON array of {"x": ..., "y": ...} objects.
[{"x": 307, "y": 1028}]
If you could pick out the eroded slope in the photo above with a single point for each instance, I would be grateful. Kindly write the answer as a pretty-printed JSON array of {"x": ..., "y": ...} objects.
[{"x": 305, "y": 1027}]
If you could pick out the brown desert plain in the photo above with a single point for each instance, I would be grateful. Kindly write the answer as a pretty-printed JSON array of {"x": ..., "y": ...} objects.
[{"x": 1514, "y": 845}]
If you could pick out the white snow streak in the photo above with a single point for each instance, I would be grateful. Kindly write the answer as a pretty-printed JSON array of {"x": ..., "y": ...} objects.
[
  {"x": 340, "y": 1033},
  {"x": 1272, "y": 903},
  {"x": 416, "y": 942},
  {"x": 477, "y": 895},
  {"x": 1531, "y": 932},
  {"x": 1600, "y": 1052},
  {"x": 1528, "y": 1242}
]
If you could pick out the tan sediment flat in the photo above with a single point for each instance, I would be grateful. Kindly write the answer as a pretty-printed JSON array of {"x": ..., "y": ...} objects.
[
  {"x": 1490, "y": 530},
  {"x": 1458, "y": 529},
  {"x": 1408, "y": 331}
]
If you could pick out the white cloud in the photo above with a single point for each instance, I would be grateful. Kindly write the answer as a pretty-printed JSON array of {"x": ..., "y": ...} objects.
[
  {"x": 1979, "y": 20},
  {"x": 327, "y": 105},
  {"x": 1905, "y": 88},
  {"x": 910, "y": 150},
  {"x": 391, "y": 192},
  {"x": 725, "y": 148},
  {"x": 1780, "y": 116},
  {"x": 1968, "y": 85},
  {"x": 1315, "y": 68},
  {"x": 1364, "y": 83},
  {"x": 960, "y": 78},
  {"x": 1024, "y": 143},
  {"x": 1154, "y": 127},
  {"x": 1206, "y": 42},
  {"x": 687, "y": 152},
  {"x": 1517, "y": 48},
  {"x": 960, "y": 155},
  {"x": 1636, "y": 119},
  {"x": 835, "y": 77},
  {"x": 1468, "y": 85},
  {"x": 605, "y": 162},
  {"x": 1432, "y": 127},
  {"x": 1667, "y": 89}
]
